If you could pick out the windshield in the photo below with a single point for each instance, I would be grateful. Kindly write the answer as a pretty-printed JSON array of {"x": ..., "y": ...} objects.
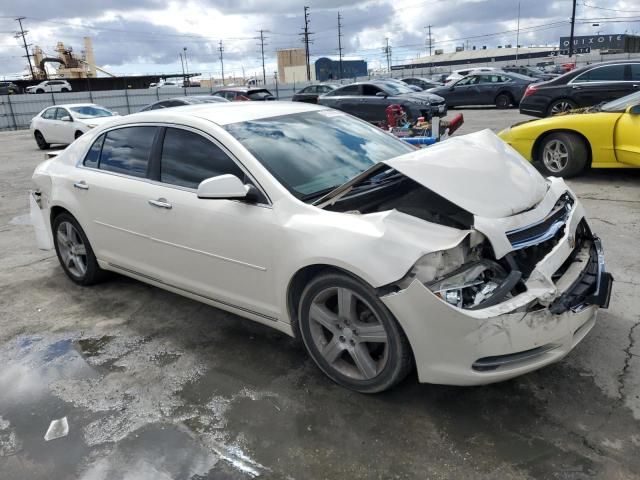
[
  {"x": 89, "y": 111},
  {"x": 621, "y": 104},
  {"x": 397, "y": 88},
  {"x": 312, "y": 153}
]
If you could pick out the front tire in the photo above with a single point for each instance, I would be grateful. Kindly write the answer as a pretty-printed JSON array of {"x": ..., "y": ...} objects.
[
  {"x": 64, "y": 90},
  {"x": 39, "y": 90},
  {"x": 74, "y": 251},
  {"x": 351, "y": 335},
  {"x": 563, "y": 154},
  {"x": 42, "y": 143}
]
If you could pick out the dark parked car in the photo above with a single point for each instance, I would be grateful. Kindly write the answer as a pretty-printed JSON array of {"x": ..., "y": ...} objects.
[
  {"x": 368, "y": 100},
  {"x": 8, "y": 88},
  {"x": 530, "y": 71},
  {"x": 311, "y": 93},
  {"x": 180, "y": 101},
  {"x": 497, "y": 88},
  {"x": 582, "y": 87},
  {"x": 423, "y": 83},
  {"x": 235, "y": 94}
]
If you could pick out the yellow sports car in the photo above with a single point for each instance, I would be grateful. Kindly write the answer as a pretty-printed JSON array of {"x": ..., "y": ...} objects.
[{"x": 603, "y": 136}]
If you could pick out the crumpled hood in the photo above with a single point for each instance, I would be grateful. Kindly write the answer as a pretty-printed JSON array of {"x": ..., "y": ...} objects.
[{"x": 477, "y": 172}]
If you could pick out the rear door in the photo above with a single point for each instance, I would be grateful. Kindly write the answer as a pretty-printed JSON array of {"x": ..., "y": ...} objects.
[
  {"x": 113, "y": 192},
  {"x": 602, "y": 84}
]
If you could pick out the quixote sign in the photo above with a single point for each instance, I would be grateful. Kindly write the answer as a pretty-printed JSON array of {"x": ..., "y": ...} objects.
[{"x": 595, "y": 42}]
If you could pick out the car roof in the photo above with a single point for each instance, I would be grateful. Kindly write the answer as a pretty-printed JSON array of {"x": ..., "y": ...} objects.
[
  {"x": 225, "y": 113},
  {"x": 69, "y": 105},
  {"x": 241, "y": 89}
]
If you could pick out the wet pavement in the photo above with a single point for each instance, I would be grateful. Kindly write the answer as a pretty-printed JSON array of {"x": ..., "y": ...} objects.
[{"x": 156, "y": 386}]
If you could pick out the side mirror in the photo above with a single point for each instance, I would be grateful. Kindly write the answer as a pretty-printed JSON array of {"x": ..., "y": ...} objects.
[
  {"x": 66, "y": 118},
  {"x": 381, "y": 94},
  {"x": 634, "y": 110},
  {"x": 227, "y": 187}
]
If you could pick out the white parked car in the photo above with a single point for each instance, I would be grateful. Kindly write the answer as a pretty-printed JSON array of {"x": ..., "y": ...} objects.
[
  {"x": 458, "y": 74},
  {"x": 48, "y": 86},
  {"x": 63, "y": 124},
  {"x": 166, "y": 84},
  {"x": 460, "y": 259}
]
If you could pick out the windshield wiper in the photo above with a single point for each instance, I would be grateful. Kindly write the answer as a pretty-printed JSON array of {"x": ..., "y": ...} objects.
[
  {"x": 324, "y": 191},
  {"x": 346, "y": 187}
]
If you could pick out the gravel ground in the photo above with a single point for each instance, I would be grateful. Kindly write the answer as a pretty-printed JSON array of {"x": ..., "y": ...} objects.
[{"x": 157, "y": 386}]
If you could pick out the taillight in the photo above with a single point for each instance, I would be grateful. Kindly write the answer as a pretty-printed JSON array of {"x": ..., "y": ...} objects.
[{"x": 531, "y": 89}]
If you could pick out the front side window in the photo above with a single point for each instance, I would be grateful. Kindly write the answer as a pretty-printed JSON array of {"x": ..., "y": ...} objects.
[
  {"x": 90, "y": 111},
  {"x": 313, "y": 152},
  {"x": 635, "y": 72},
  {"x": 126, "y": 150},
  {"x": 610, "y": 73},
  {"x": 348, "y": 90},
  {"x": 470, "y": 80},
  {"x": 61, "y": 113},
  {"x": 188, "y": 158},
  {"x": 370, "y": 90}
]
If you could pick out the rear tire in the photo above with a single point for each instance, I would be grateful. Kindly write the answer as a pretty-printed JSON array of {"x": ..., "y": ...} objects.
[
  {"x": 39, "y": 90},
  {"x": 74, "y": 251},
  {"x": 562, "y": 105},
  {"x": 563, "y": 154},
  {"x": 351, "y": 335},
  {"x": 42, "y": 143},
  {"x": 503, "y": 100}
]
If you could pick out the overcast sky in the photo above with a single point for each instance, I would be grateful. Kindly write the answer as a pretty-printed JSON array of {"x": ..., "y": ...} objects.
[{"x": 146, "y": 36}]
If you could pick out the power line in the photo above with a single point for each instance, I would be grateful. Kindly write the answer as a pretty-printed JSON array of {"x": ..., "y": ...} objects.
[
  {"x": 340, "y": 46},
  {"x": 609, "y": 9},
  {"x": 23, "y": 34}
]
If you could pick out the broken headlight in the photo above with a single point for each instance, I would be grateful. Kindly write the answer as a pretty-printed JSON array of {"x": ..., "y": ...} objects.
[{"x": 471, "y": 285}]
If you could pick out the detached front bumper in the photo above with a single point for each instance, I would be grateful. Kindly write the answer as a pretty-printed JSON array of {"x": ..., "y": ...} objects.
[{"x": 540, "y": 326}]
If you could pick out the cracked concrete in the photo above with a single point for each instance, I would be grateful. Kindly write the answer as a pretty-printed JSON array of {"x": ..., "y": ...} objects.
[{"x": 156, "y": 386}]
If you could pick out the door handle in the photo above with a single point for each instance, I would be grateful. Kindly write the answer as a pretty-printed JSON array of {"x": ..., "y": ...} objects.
[
  {"x": 81, "y": 185},
  {"x": 161, "y": 203}
]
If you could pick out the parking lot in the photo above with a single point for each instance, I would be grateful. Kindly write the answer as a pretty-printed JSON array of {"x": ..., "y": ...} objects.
[{"x": 166, "y": 387}]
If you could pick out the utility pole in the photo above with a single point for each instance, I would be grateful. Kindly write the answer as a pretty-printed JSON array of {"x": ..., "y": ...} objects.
[
  {"x": 264, "y": 73},
  {"x": 186, "y": 63},
  {"x": 184, "y": 78},
  {"x": 221, "y": 50},
  {"x": 573, "y": 23},
  {"x": 23, "y": 34},
  {"x": 306, "y": 33},
  {"x": 340, "y": 46},
  {"x": 429, "y": 39},
  {"x": 518, "y": 34},
  {"x": 387, "y": 52}
]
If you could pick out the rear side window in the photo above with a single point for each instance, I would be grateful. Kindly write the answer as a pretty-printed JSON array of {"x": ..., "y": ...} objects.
[
  {"x": 635, "y": 72},
  {"x": 609, "y": 73},
  {"x": 93, "y": 155},
  {"x": 348, "y": 90},
  {"x": 49, "y": 114},
  {"x": 127, "y": 150},
  {"x": 188, "y": 159}
]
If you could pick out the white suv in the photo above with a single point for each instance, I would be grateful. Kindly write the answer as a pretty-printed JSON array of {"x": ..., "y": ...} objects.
[
  {"x": 458, "y": 74},
  {"x": 50, "y": 86}
]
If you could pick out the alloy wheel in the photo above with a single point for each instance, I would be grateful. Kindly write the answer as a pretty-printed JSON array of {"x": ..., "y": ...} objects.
[
  {"x": 561, "y": 107},
  {"x": 348, "y": 333},
  {"x": 555, "y": 156},
  {"x": 72, "y": 250}
]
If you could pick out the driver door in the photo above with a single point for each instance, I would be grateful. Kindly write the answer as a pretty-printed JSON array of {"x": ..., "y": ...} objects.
[
  {"x": 215, "y": 248},
  {"x": 372, "y": 106},
  {"x": 462, "y": 91}
]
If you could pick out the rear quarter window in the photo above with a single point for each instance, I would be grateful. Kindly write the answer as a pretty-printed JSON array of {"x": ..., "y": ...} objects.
[{"x": 93, "y": 155}]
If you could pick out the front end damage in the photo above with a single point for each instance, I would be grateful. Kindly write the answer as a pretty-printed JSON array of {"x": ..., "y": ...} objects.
[{"x": 517, "y": 294}]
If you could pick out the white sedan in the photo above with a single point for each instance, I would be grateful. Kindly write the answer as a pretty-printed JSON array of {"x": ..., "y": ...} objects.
[
  {"x": 62, "y": 124},
  {"x": 460, "y": 259}
]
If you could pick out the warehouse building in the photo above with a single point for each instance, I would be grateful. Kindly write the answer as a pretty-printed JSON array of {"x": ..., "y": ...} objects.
[{"x": 329, "y": 68}]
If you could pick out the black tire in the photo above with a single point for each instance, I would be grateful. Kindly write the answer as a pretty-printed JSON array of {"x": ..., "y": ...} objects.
[
  {"x": 77, "y": 135},
  {"x": 92, "y": 273},
  {"x": 42, "y": 143},
  {"x": 396, "y": 359},
  {"x": 503, "y": 100},
  {"x": 576, "y": 149},
  {"x": 39, "y": 90},
  {"x": 64, "y": 89},
  {"x": 560, "y": 105}
]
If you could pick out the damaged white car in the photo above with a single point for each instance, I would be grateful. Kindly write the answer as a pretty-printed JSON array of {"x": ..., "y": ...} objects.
[{"x": 459, "y": 259}]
